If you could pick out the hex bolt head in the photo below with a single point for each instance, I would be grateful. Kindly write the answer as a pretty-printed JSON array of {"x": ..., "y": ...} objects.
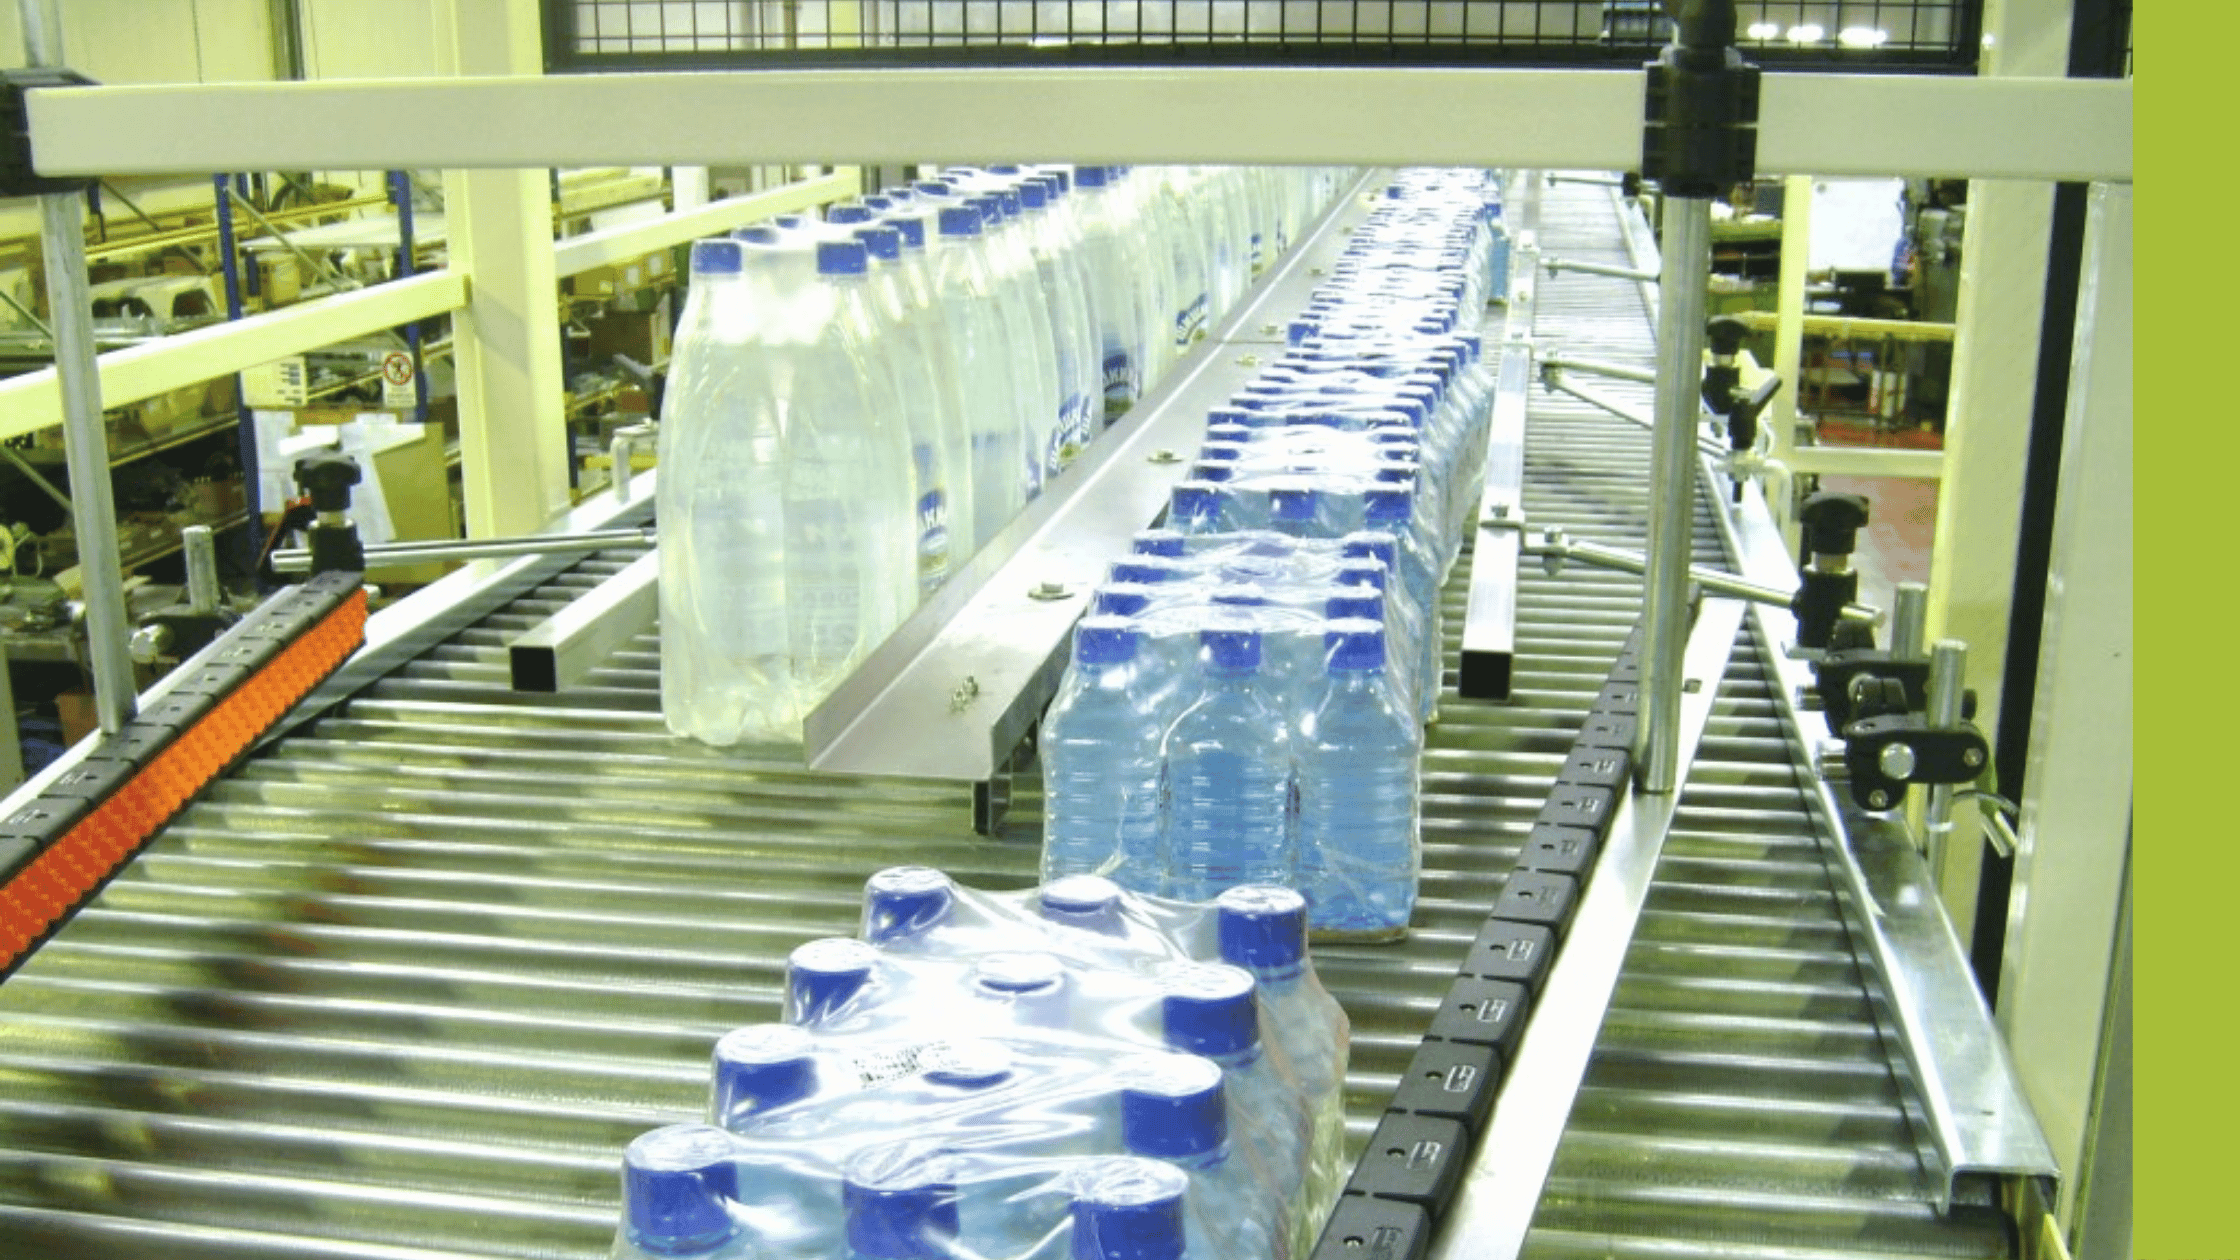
[
  {"x": 1879, "y": 799},
  {"x": 1972, "y": 758}
]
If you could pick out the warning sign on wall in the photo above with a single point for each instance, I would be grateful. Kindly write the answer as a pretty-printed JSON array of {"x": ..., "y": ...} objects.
[{"x": 396, "y": 381}]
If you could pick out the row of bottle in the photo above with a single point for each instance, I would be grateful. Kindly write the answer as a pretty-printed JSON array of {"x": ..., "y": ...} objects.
[
  {"x": 857, "y": 404},
  {"x": 1073, "y": 1071},
  {"x": 1245, "y": 701}
]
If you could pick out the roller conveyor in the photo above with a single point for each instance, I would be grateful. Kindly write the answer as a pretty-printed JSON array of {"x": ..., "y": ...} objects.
[{"x": 404, "y": 985}]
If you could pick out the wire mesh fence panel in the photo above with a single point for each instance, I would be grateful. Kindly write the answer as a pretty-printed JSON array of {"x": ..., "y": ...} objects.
[{"x": 582, "y": 35}]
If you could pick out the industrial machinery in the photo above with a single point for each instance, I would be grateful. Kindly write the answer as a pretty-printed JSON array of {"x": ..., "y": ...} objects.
[{"x": 403, "y": 979}]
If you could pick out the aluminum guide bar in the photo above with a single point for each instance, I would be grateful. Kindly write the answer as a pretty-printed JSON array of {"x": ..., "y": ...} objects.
[
  {"x": 1973, "y": 1120},
  {"x": 566, "y": 646},
  {"x": 953, "y": 690},
  {"x": 1819, "y": 124},
  {"x": 1502, "y": 1188},
  {"x": 1489, "y": 635}
]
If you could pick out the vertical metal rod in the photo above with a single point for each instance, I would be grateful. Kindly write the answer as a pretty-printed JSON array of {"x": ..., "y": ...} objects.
[
  {"x": 229, "y": 254},
  {"x": 245, "y": 421},
  {"x": 1909, "y": 620},
  {"x": 1948, "y": 672},
  {"x": 201, "y": 547},
  {"x": 85, "y": 439},
  {"x": 400, "y": 192},
  {"x": 621, "y": 463},
  {"x": 1686, "y": 249}
]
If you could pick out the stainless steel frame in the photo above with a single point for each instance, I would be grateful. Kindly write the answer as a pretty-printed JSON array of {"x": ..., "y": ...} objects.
[{"x": 1489, "y": 635}]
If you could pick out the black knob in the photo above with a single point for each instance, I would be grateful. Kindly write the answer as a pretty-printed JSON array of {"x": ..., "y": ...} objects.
[
  {"x": 327, "y": 477},
  {"x": 1726, "y": 334},
  {"x": 1832, "y": 522}
]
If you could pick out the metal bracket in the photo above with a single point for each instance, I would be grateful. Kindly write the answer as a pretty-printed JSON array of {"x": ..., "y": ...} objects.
[{"x": 19, "y": 176}]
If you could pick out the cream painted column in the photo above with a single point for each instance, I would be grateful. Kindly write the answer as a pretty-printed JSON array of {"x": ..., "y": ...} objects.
[
  {"x": 513, "y": 437},
  {"x": 1987, "y": 436},
  {"x": 2073, "y": 846}
]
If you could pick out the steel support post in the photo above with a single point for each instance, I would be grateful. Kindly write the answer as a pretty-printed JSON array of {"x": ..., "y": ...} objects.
[
  {"x": 1686, "y": 248},
  {"x": 85, "y": 438},
  {"x": 1948, "y": 680},
  {"x": 400, "y": 195}
]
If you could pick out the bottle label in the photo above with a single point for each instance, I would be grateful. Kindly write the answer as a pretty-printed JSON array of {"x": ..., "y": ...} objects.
[
  {"x": 880, "y": 1066},
  {"x": 933, "y": 539}
]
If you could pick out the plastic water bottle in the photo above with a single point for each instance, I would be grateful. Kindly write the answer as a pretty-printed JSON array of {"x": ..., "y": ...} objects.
[
  {"x": 824, "y": 977},
  {"x": 1080, "y": 391},
  {"x": 1228, "y": 772},
  {"x": 1026, "y": 989},
  {"x": 1358, "y": 767},
  {"x": 1173, "y": 1107},
  {"x": 1263, "y": 929},
  {"x": 931, "y": 410},
  {"x": 1130, "y": 1209},
  {"x": 1027, "y": 320},
  {"x": 1100, "y": 759},
  {"x": 724, "y": 670},
  {"x": 759, "y": 1069},
  {"x": 850, "y": 534},
  {"x": 678, "y": 1184},
  {"x": 1090, "y": 903},
  {"x": 900, "y": 1202},
  {"x": 985, "y": 371},
  {"x": 1108, "y": 256},
  {"x": 1210, "y": 1010}
]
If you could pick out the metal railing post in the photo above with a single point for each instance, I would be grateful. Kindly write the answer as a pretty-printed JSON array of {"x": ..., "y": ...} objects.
[{"x": 1686, "y": 247}]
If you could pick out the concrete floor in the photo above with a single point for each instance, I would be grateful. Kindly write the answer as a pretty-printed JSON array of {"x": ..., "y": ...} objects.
[{"x": 1901, "y": 525}]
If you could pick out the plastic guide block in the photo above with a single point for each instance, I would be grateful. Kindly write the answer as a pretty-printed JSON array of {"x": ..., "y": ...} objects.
[
  {"x": 1619, "y": 698},
  {"x": 1416, "y": 1159},
  {"x": 57, "y": 851},
  {"x": 1365, "y": 1228},
  {"x": 1559, "y": 850},
  {"x": 1577, "y": 805},
  {"x": 1538, "y": 897},
  {"x": 1519, "y": 953},
  {"x": 1597, "y": 767},
  {"x": 1482, "y": 1013},
  {"x": 1451, "y": 1081},
  {"x": 1607, "y": 730}
]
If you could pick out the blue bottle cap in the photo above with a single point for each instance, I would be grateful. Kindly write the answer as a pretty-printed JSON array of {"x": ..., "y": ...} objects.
[
  {"x": 1390, "y": 507},
  {"x": 1012, "y": 205},
  {"x": 677, "y": 1184},
  {"x": 848, "y": 214},
  {"x": 912, "y": 227},
  {"x": 1104, "y": 639},
  {"x": 842, "y": 258},
  {"x": 1216, "y": 471},
  {"x": 1354, "y": 646},
  {"x": 1209, "y": 1009},
  {"x": 1369, "y": 607},
  {"x": 880, "y": 203},
  {"x": 972, "y": 1063},
  {"x": 990, "y": 207},
  {"x": 960, "y": 221},
  {"x": 760, "y": 1068},
  {"x": 1364, "y": 573},
  {"x": 1196, "y": 500},
  {"x": 1090, "y": 902},
  {"x": 1091, "y": 176},
  {"x": 1245, "y": 595},
  {"x": 883, "y": 243},
  {"x": 716, "y": 258},
  {"x": 1063, "y": 180},
  {"x": 823, "y": 976},
  {"x": 1228, "y": 415},
  {"x": 1397, "y": 472},
  {"x": 934, "y": 187},
  {"x": 1371, "y": 544},
  {"x": 1129, "y": 1209},
  {"x": 759, "y": 234},
  {"x": 1148, "y": 571},
  {"x": 1231, "y": 649},
  {"x": 1159, "y": 542},
  {"x": 1171, "y": 1106},
  {"x": 1008, "y": 168},
  {"x": 901, "y": 1202},
  {"x": 1018, "y": 973},
  {"x": 1033, "y": 195},
  {"x": 1263, "y": 928},
  {"x": 1121, "y": 599},
  {"x": 903, "y": 901},
  {"x": 1294, "y": 505},
  {"x": 790, "y": 222}
]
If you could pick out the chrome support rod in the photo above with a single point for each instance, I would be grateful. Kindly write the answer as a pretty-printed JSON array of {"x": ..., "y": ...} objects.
[
  {"x": 1948, "y": 673},
  {"x": 85, "y": 437},
  {"x": 1909, "y": 621},
  {"x": 1557, "y": 265},
  {"x": 298, "y": 560},
  {"x": 1644, "y": 376},
  {"x": 200, "y": 545},
  {"x": 1553, "y": 543},
  {"x": 1555, "y": 380},
  {"x": 1686, "y": 252}
]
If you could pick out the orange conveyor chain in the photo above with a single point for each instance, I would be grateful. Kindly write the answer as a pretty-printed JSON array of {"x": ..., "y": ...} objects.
[{"x": 59, "y": 849}]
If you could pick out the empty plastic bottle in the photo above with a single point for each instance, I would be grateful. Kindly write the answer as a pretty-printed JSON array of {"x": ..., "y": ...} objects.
[
  {"x": 1228, "y": 775},
  {"x": 1263, "y": 929},
  {"x": 1174, "y": 1107},
  {"x": 1358, "y": 757},
  {"x": 678, "y": 1184},
  {"x": 1210, "y": 1010},
  {"x": 1100, "y": 759}
]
